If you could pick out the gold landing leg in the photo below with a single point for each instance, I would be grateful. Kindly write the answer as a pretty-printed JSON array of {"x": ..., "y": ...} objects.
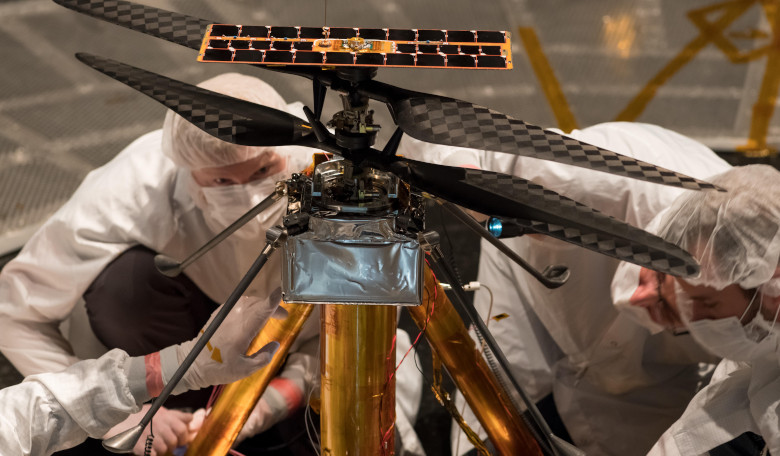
[
  {"x": 237, "y": 400},
  {"x": 358, "y": 386},
  {"x": 447, "y": 334}
]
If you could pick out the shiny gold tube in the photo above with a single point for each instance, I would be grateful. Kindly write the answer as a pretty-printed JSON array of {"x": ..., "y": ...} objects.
[
  {"x": 232, "y": 408},
  {"x": 447, "y": 334},
  {"x": 358, "y": 386}
]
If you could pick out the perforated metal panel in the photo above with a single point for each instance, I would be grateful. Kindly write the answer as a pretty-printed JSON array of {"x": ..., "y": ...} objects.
[{"x": 32, "y": 190}]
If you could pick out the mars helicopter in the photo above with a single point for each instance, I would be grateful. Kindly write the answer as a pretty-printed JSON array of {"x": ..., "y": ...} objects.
[{"x": 373, "y": 187}]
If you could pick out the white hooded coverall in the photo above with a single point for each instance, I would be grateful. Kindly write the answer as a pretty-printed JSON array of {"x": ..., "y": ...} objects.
[
  {"x": 141, "y": 197},
  {"x": 52, "y": 412},
  {"x": 616, "y": 387},
  {"x": 741, "y": 397}
]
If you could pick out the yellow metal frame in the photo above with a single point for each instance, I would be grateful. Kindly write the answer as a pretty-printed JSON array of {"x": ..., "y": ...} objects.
[
  {"x": 712, "y": 22},
  {"x": 357, "y": 414},
  {"x": 358, "y": 382},
  {"x": 237, "y": 400}
]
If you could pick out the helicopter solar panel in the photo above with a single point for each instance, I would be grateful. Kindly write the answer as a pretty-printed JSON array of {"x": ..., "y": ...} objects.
[{"x": 340, "y": 46}]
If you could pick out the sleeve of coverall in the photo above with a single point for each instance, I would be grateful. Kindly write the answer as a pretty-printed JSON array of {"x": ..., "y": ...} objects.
[
  {"x": 51, "y": 412},
  {"x": 764, "y": 397},
  {"x": 439, "y": 154},
  {"x": 113, "y": 209},
  {"x": 290, "y": 389},
  {"x": 627, "y": 199},
  {"x": 717, "y": 414}
]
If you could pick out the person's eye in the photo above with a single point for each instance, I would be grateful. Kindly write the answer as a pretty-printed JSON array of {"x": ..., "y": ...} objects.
[
  {"x": 223, "y": 181},
  {"x": 261, "y": 171}
]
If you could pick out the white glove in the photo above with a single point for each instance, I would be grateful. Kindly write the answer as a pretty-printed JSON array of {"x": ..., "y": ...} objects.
[{"x": 224, "y": 359}]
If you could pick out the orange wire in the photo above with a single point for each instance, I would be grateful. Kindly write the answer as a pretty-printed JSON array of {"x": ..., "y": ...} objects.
[{"x": 386, "y": 434}]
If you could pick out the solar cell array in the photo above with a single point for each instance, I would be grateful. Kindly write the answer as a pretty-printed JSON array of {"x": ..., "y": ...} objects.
[{"x": 338, "y": 46}]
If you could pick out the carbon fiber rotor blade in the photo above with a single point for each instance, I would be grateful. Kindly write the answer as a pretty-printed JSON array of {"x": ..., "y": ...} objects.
[
  {"x": 546, "y": 212},
  {"x": 171, "y": 26},
  {"x": 175, "y": 27},
  {"x": 452, "y": 122},
  {"x": 227, "y": 118}
]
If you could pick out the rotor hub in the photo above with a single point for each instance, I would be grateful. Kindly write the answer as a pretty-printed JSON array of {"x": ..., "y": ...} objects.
[{"x": 339, "y": 185}]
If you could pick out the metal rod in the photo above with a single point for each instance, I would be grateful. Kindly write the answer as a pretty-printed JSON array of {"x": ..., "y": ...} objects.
[
  {"x": 553, "y": 276},
  {"x": 357, "y": 365},
  {"x": 273, "y": 236},
  {"x": 491, "y": 404},
  {"x": 430, "y": 239},
  {"x": 237, "y": 400},
  {"x": 171, "y": 268}
]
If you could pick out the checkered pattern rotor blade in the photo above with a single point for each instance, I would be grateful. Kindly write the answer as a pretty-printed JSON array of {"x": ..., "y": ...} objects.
[
  {"x": 227, "y": 118},
  {"x": 545, "y": 211},
  {"x": 635, "y": 251},
  {"x": 168, "y": 25},
  {"x": 453, "y": 122}
]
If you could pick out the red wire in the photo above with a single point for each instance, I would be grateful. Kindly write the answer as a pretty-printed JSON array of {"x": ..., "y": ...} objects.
[
  {"x": 386, "y": 435},
  {"x": 215, "y": 392}
]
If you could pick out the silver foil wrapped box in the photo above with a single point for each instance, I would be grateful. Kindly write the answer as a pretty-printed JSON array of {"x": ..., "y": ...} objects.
[{"x": 352, "y": 261}]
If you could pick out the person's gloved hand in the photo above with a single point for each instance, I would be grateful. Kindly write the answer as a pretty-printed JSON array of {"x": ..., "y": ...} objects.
[
  {"x": 198, "y": 417},
  {"x": 224, "y": 359},
  {"x": 171, "y": 430},
  {"x": 282, "y": 397}
]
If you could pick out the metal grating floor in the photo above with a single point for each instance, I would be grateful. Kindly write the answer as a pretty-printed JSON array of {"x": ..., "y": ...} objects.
[{"x": 63, "y": 119}]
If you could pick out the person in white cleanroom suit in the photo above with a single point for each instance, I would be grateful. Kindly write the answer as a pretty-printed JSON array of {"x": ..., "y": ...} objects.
[
  {"x": 616, "y": 386},
  {"x": 168, "y": 192},
  {"x": 731, "y": 309},
  {"x": 55, "y": 411}
]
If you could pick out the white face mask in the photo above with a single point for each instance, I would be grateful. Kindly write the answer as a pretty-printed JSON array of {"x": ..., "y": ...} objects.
[
  {"x": 223, "y": 205},
  {"x": 771, "y": 288},
  {"x": 728, "y": 338}
]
